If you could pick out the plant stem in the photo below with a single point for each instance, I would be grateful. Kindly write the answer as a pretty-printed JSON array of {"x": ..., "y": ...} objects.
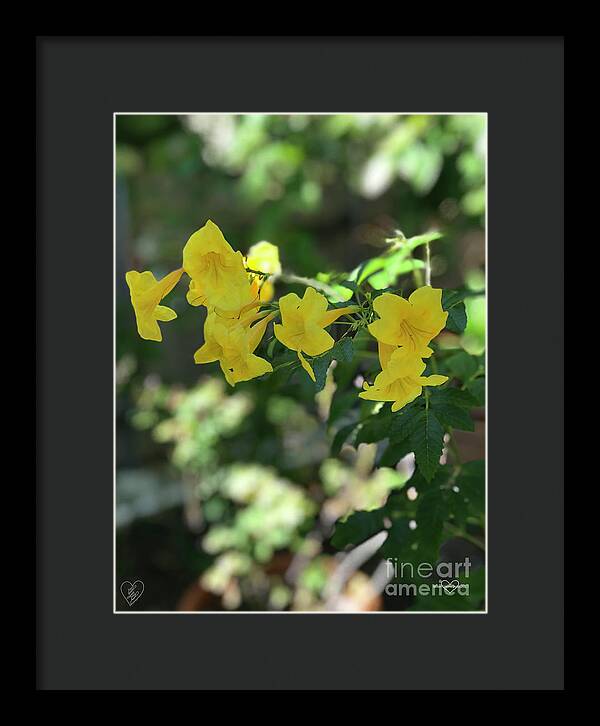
[
  {"x": 309, "y": 282},
  {"x": 427, "y": 264}
]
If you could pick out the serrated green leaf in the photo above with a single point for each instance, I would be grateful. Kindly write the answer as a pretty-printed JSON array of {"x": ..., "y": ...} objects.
[
  {"x": 477, "y": 389},
  {"x": 450, "y": 396},
  {"x": 343, "y": 350},
  {"x": 427, "y": 438},
  {"x": 454, "y": 416},
  {"x": 404, "y": 421},
  {"x": 320, "y": 367}
]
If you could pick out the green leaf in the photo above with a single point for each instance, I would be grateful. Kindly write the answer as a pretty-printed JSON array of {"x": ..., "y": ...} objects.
[
  {"x": 452, "y": 397},
  {"x": 422, "y": 239},
  {"x": 394, "y": 266},
  {"x": 453, "y": 297},
  {"x": 472, "y": 602},
  {"x": 457, "y": 319},
  {"x": 471, "y": 485},
  {"x": 404, "y": 421},
  {"x": 357, "y": 528},
  {"x": 375, "y": 428},
  {"x": 320, "y": 367},
  {"x": 342, "y": 351},
  {"x": 462, "y": 365},
  {"x": 477, "y": 389},
  {"x": 454, "y": 416},
  {"x": 452, "y": 301},
  {"x": 432, "y": 512},
  {"x": 394, "y": 453},
  {"x": 427, "y": 438},
  {"x": 271, "y": 346},
  {"x": 340, "y": 438},
  {"x": 399, "y": 536},
  {"x": 341, "y": 403},
  {"x": 458, "y": 507}
]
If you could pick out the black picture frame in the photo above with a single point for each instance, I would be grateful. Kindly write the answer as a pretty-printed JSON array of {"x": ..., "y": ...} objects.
[{"x": 81, "y": 644}]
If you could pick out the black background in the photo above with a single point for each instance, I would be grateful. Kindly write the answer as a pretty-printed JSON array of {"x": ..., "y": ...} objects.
[{"x": 81, "y": 643}]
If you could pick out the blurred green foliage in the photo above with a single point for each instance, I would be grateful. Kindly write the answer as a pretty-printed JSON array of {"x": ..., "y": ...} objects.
[{"x": 255, "y": 464}]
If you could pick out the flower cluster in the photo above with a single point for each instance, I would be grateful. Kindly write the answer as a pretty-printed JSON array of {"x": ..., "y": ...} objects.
[
  {"x": 403, "y": 332},
  {"x": 233, "y": 289}
]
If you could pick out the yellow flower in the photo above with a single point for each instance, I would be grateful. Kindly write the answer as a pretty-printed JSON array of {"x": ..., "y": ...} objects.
[
  {"x": 411, "y": 323},
  {"x": 400, "y": 380},
  {"x": 146, "y": 293},
  {"x": 303, "y": 323},
  {"x": 263, "y": 257},
  {"x": 233, "y": 342},
  {"x": 218, "y": 274}
]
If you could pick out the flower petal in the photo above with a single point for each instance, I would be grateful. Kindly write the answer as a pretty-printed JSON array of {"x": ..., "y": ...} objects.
[
  {"x": 148, "y": 328},
  {"x": 307, "y": 367},
  {"x": 208, "y": 353},
  {"x": 140, "y": 282},
  {"x": 426, "y": 297},
  {"x": 169, "y": 281},
  {"x": 313, "y": 305},
  {"x": 391, "y": 306},
  {"x": 332, "y": 315},
  {"x": 204, "y": 240},
  {"x": 316, "y": 340},
  {"x": 195, "y": 296},
  {"x": 244, "y": 368},
  {"x": 289, "y": 305},
  {"x": 258, "y": 330},
  {"x": 385, "y": 353},
  {"x": 434, "y": 380},
  {"x": 164, "y": 314},
  {"x": 288, "y": 336},
  {"x": 405, "y": 395}
]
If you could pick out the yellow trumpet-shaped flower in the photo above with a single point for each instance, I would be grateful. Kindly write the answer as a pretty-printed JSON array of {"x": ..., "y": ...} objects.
[
  {"x": 303, "y": 323},
  {"x": 146, "y": 293},
  {"x": 263, "y": 257},
  {"x": 233, "y": 343},
  {"x": 400, "y": 380},
  {"x": 411, "y": 323},
  {"x": 218, "y": 274}
]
